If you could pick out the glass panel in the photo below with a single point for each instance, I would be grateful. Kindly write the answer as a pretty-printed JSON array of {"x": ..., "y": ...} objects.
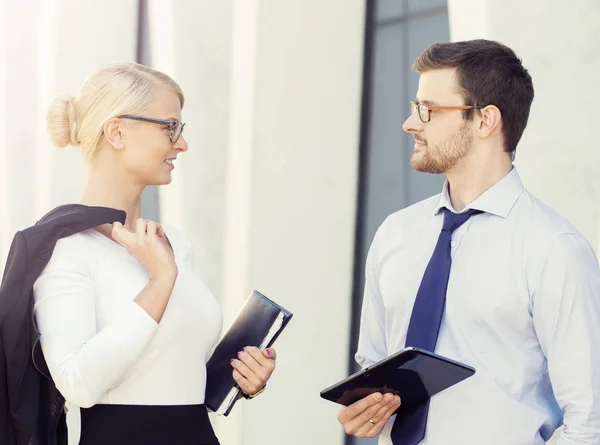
[
  {"x": 422, "y": 32},
  {"x": 389, "y": 9},
  {"x": 391, "y": 183},
  {"x": 422, "y": 6}
]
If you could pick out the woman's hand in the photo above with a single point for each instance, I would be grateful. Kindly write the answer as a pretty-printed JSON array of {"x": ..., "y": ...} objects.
[
  {"x": 149, "y": 246},
  {"x": 253, "y": 368}
]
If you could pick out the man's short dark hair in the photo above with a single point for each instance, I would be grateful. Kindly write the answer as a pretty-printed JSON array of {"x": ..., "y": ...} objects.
[{"x": 488, "y": 73}]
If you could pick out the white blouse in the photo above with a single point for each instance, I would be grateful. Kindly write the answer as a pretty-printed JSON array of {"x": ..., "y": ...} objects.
[{"x": 102, "y": 347}]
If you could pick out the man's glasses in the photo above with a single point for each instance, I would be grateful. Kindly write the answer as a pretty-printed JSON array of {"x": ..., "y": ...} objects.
[
  {"x": 176, "y": 127},
  {"x": 425, "y": 110}
]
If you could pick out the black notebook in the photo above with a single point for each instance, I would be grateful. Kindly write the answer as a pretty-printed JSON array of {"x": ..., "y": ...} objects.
[{"x": 259, "y": 323}]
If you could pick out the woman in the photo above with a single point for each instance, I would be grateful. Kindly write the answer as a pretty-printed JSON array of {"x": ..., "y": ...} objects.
[{"x": 126, "y": 327}]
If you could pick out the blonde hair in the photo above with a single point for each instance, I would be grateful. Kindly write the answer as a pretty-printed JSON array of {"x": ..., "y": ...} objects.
[{"x": 113, "y": 90}]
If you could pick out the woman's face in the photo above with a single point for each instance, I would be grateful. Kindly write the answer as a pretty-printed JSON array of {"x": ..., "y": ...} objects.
[{"x": 148, "y": 154}]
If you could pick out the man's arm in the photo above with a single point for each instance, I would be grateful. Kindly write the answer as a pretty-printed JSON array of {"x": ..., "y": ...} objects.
[
  {"x": 566, "y": 316},
  {"x": 367, "y": 416},
  {"x": 372, "y": 341}
]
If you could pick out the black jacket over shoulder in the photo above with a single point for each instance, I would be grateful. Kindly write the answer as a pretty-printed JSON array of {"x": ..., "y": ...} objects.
[{"x": 31, "y": 408}]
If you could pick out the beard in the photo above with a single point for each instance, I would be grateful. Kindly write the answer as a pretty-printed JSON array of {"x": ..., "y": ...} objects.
[{"x": 444, "y": 156}]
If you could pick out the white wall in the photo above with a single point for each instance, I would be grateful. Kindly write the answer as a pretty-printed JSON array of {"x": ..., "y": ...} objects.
[{"x": 558, "y": 157}]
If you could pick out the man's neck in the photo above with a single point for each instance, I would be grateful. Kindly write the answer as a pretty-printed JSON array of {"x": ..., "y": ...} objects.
[{"x": 468, "y": 181}]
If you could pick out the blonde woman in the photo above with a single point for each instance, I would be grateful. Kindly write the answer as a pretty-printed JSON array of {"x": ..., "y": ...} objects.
[{"x": 126, "y": 328}]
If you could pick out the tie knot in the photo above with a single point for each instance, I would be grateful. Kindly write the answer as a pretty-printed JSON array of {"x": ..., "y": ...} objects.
[{"x": 453, "y": 221}]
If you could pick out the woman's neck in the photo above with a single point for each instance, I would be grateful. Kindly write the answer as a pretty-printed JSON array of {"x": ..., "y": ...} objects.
[{"x": 106, "y": 189}]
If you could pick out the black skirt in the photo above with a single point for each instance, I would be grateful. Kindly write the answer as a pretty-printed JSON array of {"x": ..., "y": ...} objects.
[{"x": 147, "y": 425}]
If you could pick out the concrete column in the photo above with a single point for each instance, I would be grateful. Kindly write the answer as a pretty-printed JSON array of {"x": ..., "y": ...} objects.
[
  {"x": 290, "y": 202},
  {"x": 18, "y": 105},
  {"x": 191, "y": 41}
]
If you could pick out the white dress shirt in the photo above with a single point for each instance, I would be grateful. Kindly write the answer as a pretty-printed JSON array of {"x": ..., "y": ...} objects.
[
  {"x": 102, "y": 347},
  {"x": 522, "y": 308}
]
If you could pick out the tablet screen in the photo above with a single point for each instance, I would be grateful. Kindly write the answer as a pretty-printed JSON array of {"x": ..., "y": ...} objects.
[{"x": 412, "y": 373}]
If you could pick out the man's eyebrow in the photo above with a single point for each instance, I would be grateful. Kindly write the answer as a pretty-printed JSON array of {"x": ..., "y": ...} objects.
[{"x": 424, "y": 102}]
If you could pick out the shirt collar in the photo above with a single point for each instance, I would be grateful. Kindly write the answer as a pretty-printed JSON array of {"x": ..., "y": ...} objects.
[{"x": 498, "y": 199}]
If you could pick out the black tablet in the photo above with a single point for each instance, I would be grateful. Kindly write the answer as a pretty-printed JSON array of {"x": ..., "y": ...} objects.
[{"x": 412, "y": 373}]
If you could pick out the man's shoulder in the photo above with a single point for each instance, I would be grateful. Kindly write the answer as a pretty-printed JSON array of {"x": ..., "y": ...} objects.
[
  {"x": 406, "y": 224},
  {"x": 545, "y": 220},
  {"x": 540, "y": 229}
]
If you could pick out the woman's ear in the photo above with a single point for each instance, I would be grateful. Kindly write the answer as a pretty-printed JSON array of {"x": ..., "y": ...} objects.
[
  {"x": 113, "y": 133},
  {"x": 491, "y": 121}
]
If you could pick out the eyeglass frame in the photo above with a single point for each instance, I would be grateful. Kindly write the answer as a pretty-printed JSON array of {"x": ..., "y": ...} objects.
[
  {"x": 168, "y": 123},
  {"x": 416, "y": 106}
]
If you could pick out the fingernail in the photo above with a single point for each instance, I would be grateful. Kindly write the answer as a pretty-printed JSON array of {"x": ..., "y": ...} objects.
[
  {"x": 232, "y": 360},
  {"x": 378, "y": 397},
  {"x": 397, "y": 400},
  {"x": 245, "y": 348},
  {"x": 239, "y": 353},
  {"x": 268, "y": 352}
]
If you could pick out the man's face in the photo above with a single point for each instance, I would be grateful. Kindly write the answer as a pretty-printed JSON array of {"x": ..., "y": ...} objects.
[{"x": 446, "y": 139}]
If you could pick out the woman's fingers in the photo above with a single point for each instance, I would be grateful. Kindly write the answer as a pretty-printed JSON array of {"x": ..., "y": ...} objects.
[
  {"x": 151, "y": 229},
  {"x": 123, "y": 236},
  {"x": 140, "y": 231},
  {"x": 261, "y": 357},
  {"x": 160, "y": 231},
  {"x": 270, "y": 353},
  {"x": 260, "y": 365},
  {"x": 243, "y": 383},
  {"x": 248, "y": 374}
]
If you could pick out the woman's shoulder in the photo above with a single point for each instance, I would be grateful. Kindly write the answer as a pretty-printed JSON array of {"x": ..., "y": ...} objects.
[
  {"x": 72, "y": 252},
  {"x": 71, "y": 262}
]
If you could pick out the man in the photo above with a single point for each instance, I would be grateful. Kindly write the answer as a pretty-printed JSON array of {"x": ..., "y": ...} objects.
[{"x": 517, "y": 293}]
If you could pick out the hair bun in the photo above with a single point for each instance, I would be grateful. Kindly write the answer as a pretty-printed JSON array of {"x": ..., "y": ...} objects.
[{"x": 61, "y": 121}]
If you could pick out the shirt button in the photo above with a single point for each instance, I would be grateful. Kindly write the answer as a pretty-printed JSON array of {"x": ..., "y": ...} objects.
[{"x": 452, "y": 243}]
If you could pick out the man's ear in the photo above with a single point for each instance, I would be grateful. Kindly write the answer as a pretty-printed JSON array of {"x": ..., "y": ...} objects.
[
  {"x": 113, "y": 133},
  {"x": 490, "y": 121}
]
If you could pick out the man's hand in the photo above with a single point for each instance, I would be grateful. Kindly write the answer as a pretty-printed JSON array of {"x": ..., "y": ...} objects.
[{"x": 367, "y": 417}]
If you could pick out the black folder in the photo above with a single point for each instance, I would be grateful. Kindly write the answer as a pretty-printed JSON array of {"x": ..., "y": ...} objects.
[
  {"x": 412, "y": 373},
  {"x": 259, "y": 323}
]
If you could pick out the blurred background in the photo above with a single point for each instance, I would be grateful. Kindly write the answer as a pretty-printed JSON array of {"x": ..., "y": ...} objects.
[{"x": 294, "y": 112}]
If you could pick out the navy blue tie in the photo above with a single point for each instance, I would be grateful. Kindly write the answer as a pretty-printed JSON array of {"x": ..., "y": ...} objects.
[{"x": 424, "y": 326}]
